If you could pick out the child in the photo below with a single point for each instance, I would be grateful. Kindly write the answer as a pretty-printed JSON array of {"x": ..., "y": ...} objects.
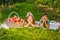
[
  {"x": 29, "y": 20},
  {"x": 44, "y": 22}
]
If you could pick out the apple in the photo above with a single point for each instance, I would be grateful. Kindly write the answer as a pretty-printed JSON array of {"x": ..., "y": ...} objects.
[
  {"x": 15, "y": 17},
  {"x": 8, "y": 19},
  {"x": 58, "y": 26},
  {"x": 18, "y": 20}
]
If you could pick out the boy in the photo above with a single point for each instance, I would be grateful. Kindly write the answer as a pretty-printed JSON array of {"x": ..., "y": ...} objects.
[{"x": 44, "y": 22}]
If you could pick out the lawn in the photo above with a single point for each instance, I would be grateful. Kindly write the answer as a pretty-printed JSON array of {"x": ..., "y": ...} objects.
[{"x": 29, "y": 34}]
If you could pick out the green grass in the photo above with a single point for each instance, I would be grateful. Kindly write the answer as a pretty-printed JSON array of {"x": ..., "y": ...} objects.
[{"x": 29, "y": 34}]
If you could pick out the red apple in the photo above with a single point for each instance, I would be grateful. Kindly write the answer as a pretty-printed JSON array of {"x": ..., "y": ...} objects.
[
  {"x": 15, "y": 17},
  {"x": 19, "y": 20},
  {"x": 58, "y": 26}
]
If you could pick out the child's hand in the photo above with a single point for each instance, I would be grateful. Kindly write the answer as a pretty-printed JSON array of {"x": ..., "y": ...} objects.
[
  {"x": 43, "y": 21},
  {"x": 29, "y": 22}
]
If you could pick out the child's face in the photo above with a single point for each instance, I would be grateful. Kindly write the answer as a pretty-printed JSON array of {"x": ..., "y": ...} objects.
[
  {"x": 30, "y": 19},
  {"x": 44, "y": 17}
]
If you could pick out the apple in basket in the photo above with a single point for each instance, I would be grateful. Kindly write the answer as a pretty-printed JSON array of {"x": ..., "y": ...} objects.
[
  {"x": 14, "y": 19},
  {"x": 18, "y": 20},
  {"x": 59, "y": 27},
  {"x": 9, "y": 19}
]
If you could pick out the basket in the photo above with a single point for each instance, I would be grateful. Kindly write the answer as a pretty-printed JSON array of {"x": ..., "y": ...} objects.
[{"x": 12, "y": 24}]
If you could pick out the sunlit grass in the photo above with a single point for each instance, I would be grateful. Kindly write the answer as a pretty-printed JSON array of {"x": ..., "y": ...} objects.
[{"x": 29, "y": 34}]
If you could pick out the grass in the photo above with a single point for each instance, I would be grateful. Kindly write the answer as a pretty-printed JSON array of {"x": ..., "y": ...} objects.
[{"x": 29, "y": 34}]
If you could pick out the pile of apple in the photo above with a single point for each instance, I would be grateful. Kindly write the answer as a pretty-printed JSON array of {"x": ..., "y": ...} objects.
[{"x": 15, "y": 19}]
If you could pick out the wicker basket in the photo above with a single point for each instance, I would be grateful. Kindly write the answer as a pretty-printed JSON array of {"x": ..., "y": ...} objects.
[{"x": 12, "y": 24}]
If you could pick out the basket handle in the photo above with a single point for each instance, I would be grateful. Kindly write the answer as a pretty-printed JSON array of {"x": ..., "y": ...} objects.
[{"x": 13, "y": 13}]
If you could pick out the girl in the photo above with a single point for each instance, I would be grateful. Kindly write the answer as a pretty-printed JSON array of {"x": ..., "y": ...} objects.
[{"x": 29, "y": 20}]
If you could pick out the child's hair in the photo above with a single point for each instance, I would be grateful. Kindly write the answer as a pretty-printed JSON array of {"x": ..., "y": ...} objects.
[
  {"x": 44, "y": 14},
  {"x": 30, "y": 14}
]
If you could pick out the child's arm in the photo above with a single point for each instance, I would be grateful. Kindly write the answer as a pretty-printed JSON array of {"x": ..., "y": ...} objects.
[
  {"x": 47, "y": 25},
  {"x": 26, "y": 24},
  {"x": 42, "y": 24},
  {"x": 32, "y": 24}
]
